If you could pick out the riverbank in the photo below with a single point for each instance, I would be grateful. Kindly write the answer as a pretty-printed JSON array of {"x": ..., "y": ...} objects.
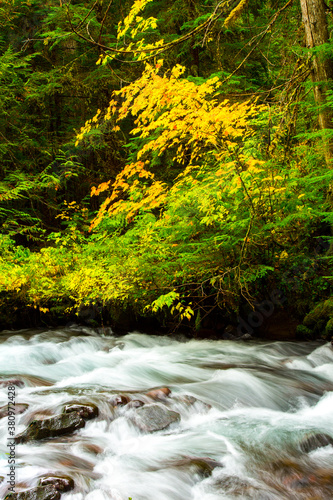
[{"x": 270, "y": 319}]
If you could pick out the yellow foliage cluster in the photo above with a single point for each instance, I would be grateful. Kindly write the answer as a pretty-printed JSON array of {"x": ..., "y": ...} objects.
[
  {"x": 172, "y": 114},
  {"x": 130, "y": 27},
  {"x": 189, "y": 117},
  {"x": 141, "y": 24}
]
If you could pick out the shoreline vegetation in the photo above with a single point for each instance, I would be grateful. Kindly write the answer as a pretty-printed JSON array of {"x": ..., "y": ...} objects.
[{"x": 170, "y": 171}]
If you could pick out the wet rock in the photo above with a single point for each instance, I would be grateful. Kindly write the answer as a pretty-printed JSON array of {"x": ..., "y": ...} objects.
[
  {"x": 12, "y": 381},
  {"x": 61, "y": 483},
  {"x": 204, "y": 465},
  {"x": 119, "y": 400},
  {"x": 297, "y": 482},
  {"x": 323, "y": 476},
  {"x": 153, "y": 417},
  {"x": 87, "y": 411},
  {"x": 51, "y": 427},
  {"x": 236, "y": 486},
  {"x": 135, "y": 403},
  {"x": 104, "y": 330},
  {"x": 18, "y": 409},
  {"x": 191, "y": 400},
  {"x": 76, "y": 465},
  {"x": 40, "y": 493},
  {"x": 228, "y": 336},
  {"x": 161, "y": 393},
  {"x": 314, "y": 441},
  {"x": 1, "y": 479},
  {"x": 40, "y": 415},
  {"x": 229, "y": 333},
  {"x": 245, "y": 337},
  {"x": 93, "y": 448},
  {"x": 285, "y": 465},
  {"x": 34, "y": 381}
]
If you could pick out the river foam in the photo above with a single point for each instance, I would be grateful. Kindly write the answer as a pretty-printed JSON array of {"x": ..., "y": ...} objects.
[{"x": 255, "y": 405}]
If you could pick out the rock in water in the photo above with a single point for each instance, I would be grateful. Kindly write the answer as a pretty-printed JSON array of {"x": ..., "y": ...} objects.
[
  {"x": 204, "y": 465},
  {"x": 12, "y": 381},
  {"x": 51, "y": 427},
  {"x": 161, "y": 393},
  {"x": 61, "y": 483},
  {"x": 18, "y": 409},
  {"x": 135, "y": 403},
  {"x": 40, "y": 493},
  {"x": 119, "y": 400},
  {"x": 154, "y": 417},
  {"x": 314, "y": 441},
  {"x": 86, "y": 411}
]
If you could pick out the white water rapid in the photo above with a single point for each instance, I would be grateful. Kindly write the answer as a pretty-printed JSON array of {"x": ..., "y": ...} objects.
[{"x": 257, "y": 407}]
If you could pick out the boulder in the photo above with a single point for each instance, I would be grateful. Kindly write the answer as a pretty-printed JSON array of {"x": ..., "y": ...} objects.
[
  {"x": 191, "y": 400},
  {"x": 40, "y": 493},
  {"x": 61, "y": 483},
  {"x": 87, "y": 411},
  {"x": 51, "y": 427},
  {"x": 119, "y": 400},
  {"x": 154, "y": 417},
  {"x": 18, "y": 409},
  {"x": 314, "y": 441},
  {"x": 246, "y": 336},
  {"x": 92, "y": 448},
  {"x": 203, "y": 465},
  {"x": 161, "y": 393},
  {"x": 135, "y": 403}
]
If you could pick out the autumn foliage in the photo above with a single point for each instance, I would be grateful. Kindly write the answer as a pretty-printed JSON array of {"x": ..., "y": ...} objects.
[{"x": 154, "y": 188}]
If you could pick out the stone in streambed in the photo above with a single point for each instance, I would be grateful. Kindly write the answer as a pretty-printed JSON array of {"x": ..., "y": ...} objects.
[
  {"x": 18, "y": 409},
  {"x": 314, "y": 441},
  {"x": 119, "y": 400},
  {"x": 204, "y": 465},
  {"x": 93, "y": 448},
  {"x": 153, "y": 417},
  {"x": 51, "y": 427},
  {"x": 135, "y": 403},
  {"x": 87, "y": 411},
  {"x": 161, "y": 393},
  {"x": 61, "y": 483},
  {"x": 191, "y": 400},
  {"x": 40, "y": 493},
  {"x": 12, "y": 381}
]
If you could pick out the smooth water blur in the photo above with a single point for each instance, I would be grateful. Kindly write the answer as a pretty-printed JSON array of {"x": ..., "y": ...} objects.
[{"x": 256, "y": 403}]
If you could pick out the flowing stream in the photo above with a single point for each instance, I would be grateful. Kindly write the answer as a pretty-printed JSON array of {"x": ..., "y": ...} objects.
[{"x": 250, "y": 413}]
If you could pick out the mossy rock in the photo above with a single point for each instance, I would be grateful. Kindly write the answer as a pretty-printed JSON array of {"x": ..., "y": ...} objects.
[
  {"x": 329, "y": 328},
  {"x": 303, "y": 332},
  {"x": 86, "y": 411},
  {"x": 60, "y": 483},
  {"x": 58, "y": 425},
  {"x": 321, "y": 312},
  {"x": 40, "y": 493}
]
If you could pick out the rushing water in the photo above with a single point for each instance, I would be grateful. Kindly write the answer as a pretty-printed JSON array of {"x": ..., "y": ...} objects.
[{"x": 255, "y": 404}]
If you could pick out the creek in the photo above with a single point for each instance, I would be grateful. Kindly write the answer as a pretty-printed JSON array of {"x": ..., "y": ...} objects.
[{"x": 256, "y": 418}]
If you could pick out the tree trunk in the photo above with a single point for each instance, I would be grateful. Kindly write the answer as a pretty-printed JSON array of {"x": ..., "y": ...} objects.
[{"x": 316, "y": 31}]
